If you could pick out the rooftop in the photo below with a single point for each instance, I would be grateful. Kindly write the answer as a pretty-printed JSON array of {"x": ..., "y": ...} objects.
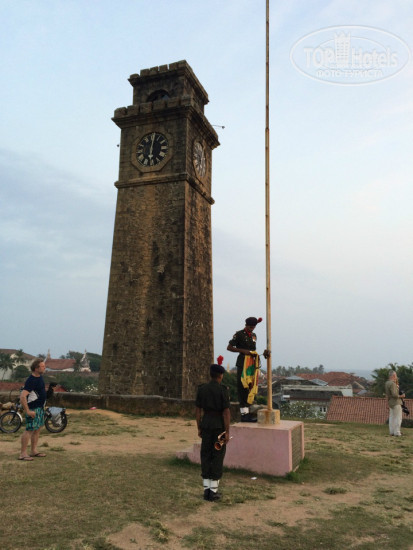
[{"x": 366, "y": 410}]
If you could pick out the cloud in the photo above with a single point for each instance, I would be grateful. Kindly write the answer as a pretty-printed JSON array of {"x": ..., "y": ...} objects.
[{"x": 56, "y": 242}]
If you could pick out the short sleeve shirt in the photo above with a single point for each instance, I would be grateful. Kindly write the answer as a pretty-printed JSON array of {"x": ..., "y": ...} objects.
[
  {"x": 37, "y": 392},
  {"x": 213, "y": 398},
  {"x": 243, "y": 341}
]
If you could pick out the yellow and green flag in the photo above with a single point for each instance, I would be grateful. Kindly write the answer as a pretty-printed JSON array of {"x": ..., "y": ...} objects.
[{"x": 249, "y": 376}]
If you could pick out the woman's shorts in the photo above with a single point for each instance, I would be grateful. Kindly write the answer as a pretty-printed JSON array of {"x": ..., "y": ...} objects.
[{"x": 37, "y": 422}]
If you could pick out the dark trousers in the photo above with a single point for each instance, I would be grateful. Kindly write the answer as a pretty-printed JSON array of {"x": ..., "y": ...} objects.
[
  {"x": 242, "y": 392},
  {"x": 211, "y": 460}
]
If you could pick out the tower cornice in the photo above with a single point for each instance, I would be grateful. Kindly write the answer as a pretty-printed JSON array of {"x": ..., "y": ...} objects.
[
  {"x": 172, "y": 108},
  {"x": 172, "y": 179}
]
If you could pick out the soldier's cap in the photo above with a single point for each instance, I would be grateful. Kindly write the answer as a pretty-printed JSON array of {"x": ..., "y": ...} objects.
[
  {"x": 252, "y": 321},
  {"x": 217, "y": 368}
]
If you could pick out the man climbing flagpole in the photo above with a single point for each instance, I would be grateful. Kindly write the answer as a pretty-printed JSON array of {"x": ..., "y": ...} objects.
[{"x": 244, "y": 341}]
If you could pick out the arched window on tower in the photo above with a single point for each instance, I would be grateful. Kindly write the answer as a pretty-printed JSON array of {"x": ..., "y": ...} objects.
[{"x": 158, "y": 94}]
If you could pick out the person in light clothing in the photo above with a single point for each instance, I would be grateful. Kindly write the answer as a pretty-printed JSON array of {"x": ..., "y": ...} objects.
[{"x": 394, "y": 399}]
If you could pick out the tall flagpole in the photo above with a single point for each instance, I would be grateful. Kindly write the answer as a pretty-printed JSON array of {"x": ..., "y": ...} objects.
[{"x": 267, "y": 208}]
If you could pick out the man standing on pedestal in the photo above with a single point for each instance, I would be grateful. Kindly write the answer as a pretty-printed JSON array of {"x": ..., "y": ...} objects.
[{"x": 244, "y": 343}]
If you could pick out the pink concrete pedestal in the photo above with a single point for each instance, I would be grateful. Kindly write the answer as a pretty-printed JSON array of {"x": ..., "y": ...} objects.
[{"x": 265, "y": 449}]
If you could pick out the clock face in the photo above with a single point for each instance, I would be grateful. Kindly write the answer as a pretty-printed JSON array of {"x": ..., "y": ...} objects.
[
  {"x": 199, "y": 159},
  {"x": 152, "y": 149}
]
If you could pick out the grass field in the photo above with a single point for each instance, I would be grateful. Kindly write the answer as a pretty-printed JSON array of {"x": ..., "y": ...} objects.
[{"x": 112, "y": 481}]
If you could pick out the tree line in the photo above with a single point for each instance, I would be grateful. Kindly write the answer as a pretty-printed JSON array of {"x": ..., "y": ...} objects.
[
  {"x": 404, "y": 374},
  {"x": 20, "y": 372},
  {"x": 295, "y": 371},
  {"x": 70, "y": 381},
  {"x": 7, "y": 362},
  {"x": 94, "y": 359}
]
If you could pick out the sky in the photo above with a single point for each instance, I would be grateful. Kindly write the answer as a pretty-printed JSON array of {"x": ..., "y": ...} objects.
[{"x": 341, "y": 165}]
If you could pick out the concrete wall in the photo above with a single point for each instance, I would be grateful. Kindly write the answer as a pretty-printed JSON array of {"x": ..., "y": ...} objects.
[{"x": 130, "y": 404}]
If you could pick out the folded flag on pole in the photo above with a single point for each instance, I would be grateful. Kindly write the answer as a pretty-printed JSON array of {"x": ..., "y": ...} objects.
[{"x": 249, "y": 376}]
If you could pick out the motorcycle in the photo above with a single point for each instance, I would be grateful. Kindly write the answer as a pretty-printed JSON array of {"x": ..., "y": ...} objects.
[{"x": 55, "y": 418}]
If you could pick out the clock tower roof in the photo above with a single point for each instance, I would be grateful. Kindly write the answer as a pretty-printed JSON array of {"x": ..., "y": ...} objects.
[{"x": 168, "y": 81}]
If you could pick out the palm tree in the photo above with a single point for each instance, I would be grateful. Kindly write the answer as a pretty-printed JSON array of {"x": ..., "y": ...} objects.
[
  {"x": 380, "y": 377},
  {"x": 19, "y": 357},
  {"x": 404, "y": 375},
  {"x": 6, "y": 363}
]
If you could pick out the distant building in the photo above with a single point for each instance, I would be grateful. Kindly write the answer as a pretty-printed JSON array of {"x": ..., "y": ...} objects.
[
  {"x": 60, "y": 365},
  {"x": 25, "y": 359},
  {"x": 338, "y": 379},
  {"x": 365, "y": 410},
  {"x": 66, "y": 365},
  {"x": 84, "y": 363},
  {"x": 318, "y": 397},
  {"x": 52, "y": 365},
  {"x": 315, "y": 390}
]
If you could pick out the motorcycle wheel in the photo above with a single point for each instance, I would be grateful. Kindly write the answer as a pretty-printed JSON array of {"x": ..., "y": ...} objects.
[
  {"x": 52, "y": 428},
  {"x": 10, "y": 422}
]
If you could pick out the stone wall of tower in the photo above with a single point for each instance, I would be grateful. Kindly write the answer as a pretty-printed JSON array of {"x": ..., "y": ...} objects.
[
  {"x": 145, "y": 307},
  {"x": 158, "y": 335},
  {"x": 198, "y": 290}
]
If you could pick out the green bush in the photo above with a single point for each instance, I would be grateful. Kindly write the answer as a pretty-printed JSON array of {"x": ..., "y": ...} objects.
[
  {"x": 230, "y": 380},
  {"x": 300, "y": 410},
  {"x": 73, "y": 382},
  {"x": 20, "y": 373},
  {"x": 94, "y": 361}
]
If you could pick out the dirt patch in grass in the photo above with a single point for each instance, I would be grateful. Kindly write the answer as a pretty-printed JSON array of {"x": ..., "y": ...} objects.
[
  {"x": 110, "y": 432},
  {"x": 116, "y": 479},
  {"x": 288, "y": 509}
]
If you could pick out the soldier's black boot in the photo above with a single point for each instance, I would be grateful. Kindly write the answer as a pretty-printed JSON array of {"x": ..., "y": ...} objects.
[{"x": 206, "y": 494}]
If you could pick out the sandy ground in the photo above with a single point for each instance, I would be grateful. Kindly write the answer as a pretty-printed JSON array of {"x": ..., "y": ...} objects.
[{"x": 176, "y": 434}]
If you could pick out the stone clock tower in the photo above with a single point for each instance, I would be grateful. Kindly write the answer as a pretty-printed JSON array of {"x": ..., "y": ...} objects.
[{"x": 159, "y": 334}]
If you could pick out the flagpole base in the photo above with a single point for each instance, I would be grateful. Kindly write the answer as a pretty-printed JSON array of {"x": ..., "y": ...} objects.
[
  {"x": 268, "y": 417},
  {"x": 268, "y": 449}
]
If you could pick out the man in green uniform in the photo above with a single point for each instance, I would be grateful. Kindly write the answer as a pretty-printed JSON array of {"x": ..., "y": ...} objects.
[
  {"x": 244, "y": 342},
  {"x": 212, "y": 419}
]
